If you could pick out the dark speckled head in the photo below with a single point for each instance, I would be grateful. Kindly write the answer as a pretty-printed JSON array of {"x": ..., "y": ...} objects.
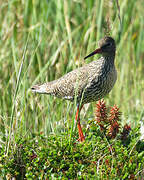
[{"x": 106, "y": 47}]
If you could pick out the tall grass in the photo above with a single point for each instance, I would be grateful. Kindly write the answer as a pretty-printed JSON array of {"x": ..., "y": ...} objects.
[{"x": 60, "y": 34}]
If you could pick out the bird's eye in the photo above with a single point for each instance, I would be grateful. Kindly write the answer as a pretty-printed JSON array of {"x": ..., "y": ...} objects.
[{"x": 107, "y": 45}]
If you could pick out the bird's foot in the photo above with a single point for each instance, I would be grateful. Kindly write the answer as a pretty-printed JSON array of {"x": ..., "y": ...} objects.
[
  {"x": 81, "y": 139},
  {"x": 81, "y": 136}
]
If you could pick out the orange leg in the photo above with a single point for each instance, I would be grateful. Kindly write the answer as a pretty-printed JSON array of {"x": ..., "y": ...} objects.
[{"x": 81, "y": 136}]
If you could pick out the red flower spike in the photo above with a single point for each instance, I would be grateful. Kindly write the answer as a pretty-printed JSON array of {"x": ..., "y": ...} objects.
[
  {"x": 113, "y": 119},
  {"x": 127, "y": 127},
  {"x": 103, "y": 120},
  {"x": 101, "y": 112},
  {"x": 125, "y": 132},
  {"x": 101, "y": 127},
  {"x": 114, "y": 114},
  {"x": 113, "y": 130}
]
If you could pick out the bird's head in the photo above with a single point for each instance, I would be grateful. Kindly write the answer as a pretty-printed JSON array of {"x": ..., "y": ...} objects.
[{"x": 106, "y": 47}]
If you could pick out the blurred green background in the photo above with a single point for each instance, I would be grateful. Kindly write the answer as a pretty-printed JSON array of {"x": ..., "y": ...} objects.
[{"x": 42, "y": 40}]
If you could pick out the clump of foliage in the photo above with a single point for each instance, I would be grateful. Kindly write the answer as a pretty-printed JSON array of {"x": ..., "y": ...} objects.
[
  {"x": 110, "y": 124},
  {"x": 110, "y": 151}
]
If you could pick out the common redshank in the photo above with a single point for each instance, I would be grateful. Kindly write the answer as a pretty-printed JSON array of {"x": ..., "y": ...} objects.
[{"x": 88, "y": 83}]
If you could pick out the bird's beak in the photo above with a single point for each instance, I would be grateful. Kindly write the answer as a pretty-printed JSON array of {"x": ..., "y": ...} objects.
[{"x": 97, "y": 51}]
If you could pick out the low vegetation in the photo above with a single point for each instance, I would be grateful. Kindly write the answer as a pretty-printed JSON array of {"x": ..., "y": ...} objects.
[
  {"x": 41, "y": 41},
  {"x": 110, "y": 151}
]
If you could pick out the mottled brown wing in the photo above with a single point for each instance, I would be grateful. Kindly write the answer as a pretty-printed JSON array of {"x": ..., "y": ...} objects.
[{"x": 70, "y": 85}]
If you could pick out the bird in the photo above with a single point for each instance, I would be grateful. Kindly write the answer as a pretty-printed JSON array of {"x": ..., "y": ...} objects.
[{"x": 88, "y": 83}]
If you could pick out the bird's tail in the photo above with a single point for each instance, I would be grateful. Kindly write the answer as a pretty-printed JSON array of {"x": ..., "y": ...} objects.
[{"x": 42, "y": 89}]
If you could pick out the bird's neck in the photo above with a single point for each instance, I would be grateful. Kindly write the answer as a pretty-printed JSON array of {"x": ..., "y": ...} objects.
[{"x": 109, "y": 58}]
